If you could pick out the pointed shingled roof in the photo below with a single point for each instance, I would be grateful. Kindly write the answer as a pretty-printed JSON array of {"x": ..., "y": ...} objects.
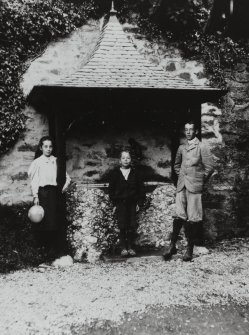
[{"x": 116, "y": 63}]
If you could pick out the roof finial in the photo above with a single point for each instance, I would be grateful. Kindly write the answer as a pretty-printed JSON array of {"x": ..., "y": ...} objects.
[{"x": 113, "y": 11}]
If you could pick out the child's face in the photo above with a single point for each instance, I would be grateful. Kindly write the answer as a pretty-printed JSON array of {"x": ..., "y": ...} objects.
[
  {"x": 190, "y": 131},
  {"x": 47, "y": 148},
  {"x": 125, "y": 160}
]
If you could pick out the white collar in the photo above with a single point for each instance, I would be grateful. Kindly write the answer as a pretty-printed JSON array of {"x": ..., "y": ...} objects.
[
  {"x": 48, "y": 159},
  {"x": 192, "y": 141},
  {"x": 125, "y": 171}
]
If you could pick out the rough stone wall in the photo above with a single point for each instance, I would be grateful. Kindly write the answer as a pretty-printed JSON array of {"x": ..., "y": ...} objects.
[
  {"x": 224, "y": 129},
  {"x": 93, "y": 154},
  {"x": 227, "y": 197},
  {"x": 60, "y": 58},
  {"x": 90, "y": 156},
  {"x": 14, "y": 184},
  {"x": 170, "y": 59}
]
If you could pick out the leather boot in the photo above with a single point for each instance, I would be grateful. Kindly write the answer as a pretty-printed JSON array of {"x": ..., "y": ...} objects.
[
  {"x": 189, "y": 233},
  {"x": 177, "y": 225},
  {"x": 198, "y": 233},
  {"x": 122, "y": 239}
]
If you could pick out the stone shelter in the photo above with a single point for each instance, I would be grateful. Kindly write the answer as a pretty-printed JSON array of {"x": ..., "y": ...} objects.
[
  {"x": 101, "y": 89},
  {"x": 122, "y": 98}
]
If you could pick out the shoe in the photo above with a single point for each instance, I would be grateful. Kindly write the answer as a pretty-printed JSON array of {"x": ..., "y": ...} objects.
[
  {"x": 124, "y": 253},
  {"x": 170, "y": 252},
  {"x": 188, "y": 254},
  {"x": 132, "y": 252}
]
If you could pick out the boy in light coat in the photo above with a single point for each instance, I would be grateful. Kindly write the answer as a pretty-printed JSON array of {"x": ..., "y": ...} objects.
[{"x": 193, "y": 166}]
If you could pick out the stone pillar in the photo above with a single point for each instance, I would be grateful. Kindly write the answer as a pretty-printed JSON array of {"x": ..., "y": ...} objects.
[
  {"x": 175, "y": 139},
  {"x": 195, "y": 115},
  {"x": 51, "y": 125},
  {"x": 60, "y": 148}
]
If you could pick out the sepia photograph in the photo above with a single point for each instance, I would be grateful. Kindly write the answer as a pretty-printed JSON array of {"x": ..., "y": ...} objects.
[{"x": 124, "y": 167}]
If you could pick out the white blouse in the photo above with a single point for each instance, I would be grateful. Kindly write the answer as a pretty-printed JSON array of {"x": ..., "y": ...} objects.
[
  {"x": 42, "y": 172},
  {"x": 125, "y": 173}
]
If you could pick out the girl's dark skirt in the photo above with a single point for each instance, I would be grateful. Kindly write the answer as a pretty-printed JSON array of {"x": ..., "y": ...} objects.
[
  {"x": 50, "y": 200},
  {"x": 51, "y": 231}
]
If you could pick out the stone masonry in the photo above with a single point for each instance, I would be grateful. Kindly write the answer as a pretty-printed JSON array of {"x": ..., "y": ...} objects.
[{"x": 224, "y": 128}]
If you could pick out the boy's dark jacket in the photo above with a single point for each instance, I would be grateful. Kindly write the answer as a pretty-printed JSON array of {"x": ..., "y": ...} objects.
[{"x": 131, "y": 189}]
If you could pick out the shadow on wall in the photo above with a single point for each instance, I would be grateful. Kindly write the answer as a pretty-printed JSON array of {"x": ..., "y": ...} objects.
[
  {"x": 136, "y": 149},
  {"x": 94, "y": 147},
  {"x": 147, "y": 173}
]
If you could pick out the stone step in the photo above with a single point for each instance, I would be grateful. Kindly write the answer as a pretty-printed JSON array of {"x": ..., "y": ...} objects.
[
  {"x": 152, "y": 254},
  {"x": 116, "y": 258}
]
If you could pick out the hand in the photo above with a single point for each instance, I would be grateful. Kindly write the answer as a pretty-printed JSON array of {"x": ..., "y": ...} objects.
[
  {"x": 213, "y": 175},
  {"x": 64, "y": 190},
  {"x": 36, "y": 201},
  {"x": 137, "y": 208},
  {"x": 114, "y": 210}
]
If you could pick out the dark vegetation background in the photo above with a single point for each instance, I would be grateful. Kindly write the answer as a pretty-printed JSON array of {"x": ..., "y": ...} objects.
[{"x": 205, "y": 30}]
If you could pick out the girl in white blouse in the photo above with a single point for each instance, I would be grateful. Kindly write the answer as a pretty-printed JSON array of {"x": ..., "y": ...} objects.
[{"x": 43, "y": 174}]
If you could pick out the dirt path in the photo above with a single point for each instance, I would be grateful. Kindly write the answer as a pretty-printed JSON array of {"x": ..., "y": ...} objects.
[
  {"x": 65, "y": 301},
  {"x": 205, "y": 320}
]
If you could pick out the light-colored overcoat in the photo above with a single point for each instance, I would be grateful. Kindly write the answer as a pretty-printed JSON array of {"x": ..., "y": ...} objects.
[{"x": 193, "y": 165}]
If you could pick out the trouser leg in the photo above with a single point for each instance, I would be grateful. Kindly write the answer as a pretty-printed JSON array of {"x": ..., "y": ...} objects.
[
  {"x": 194, "y": 206},
  {"x": 131, "y": 237},
  {"x": 198, "y": 233},
  {"x": 121, "y": 214},
  {"x": 189, "y": 232},
  {"x": 195, "y": 214},
  {"x": 123, "y": 238},
  {"x": 181, "y": 217},
  {"x": 177, "y": 225},
  {"x": 131, "y": 225},
  {"x": 181, "y": 204}
]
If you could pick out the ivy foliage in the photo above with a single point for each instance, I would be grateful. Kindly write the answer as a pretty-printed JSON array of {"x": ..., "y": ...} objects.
[
  {"x": 17, "y": 245},
  {"x": 183, "y": 22},
  {"x": 25, "y": 30},
  {"x": 28, "y": 25}
]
